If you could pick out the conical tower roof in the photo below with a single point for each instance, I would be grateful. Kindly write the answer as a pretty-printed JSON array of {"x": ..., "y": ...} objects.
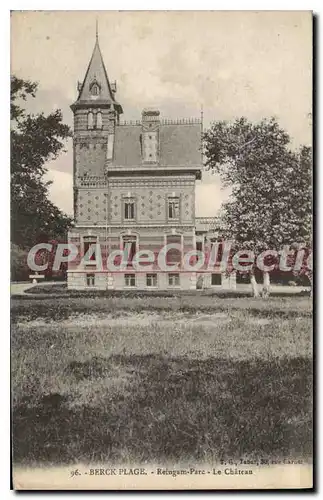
[{"x": 96, "y": 88}]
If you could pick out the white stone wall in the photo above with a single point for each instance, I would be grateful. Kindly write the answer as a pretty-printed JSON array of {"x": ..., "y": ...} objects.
[
  {"x": 116, "y": 281},
  {"x": 227, "y": 282}
]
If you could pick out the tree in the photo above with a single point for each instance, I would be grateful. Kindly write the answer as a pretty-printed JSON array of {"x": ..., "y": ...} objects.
[
  {"x": 35, "y": 140},
  {"x": 271, "y": 199},
  {"x": 19, "y": 267}
]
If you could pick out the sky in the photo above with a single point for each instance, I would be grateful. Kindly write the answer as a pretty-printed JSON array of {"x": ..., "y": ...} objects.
[{"x": 233, "y": 63}]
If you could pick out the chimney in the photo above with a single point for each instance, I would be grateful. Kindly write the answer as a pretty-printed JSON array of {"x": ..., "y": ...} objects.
[
  {"x": 150, "y": 117},
  {"x": 150, "y": 135}
]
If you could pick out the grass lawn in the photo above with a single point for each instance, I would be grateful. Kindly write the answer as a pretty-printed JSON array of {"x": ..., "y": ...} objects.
[{"x": 160, "y": 379}]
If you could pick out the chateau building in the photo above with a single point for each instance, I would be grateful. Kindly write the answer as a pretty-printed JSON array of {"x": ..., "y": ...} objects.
[{"x": 134, "y": 188}]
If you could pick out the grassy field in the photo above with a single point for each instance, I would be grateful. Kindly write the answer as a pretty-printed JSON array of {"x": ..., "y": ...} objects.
[{"x": 160, "y": 379}]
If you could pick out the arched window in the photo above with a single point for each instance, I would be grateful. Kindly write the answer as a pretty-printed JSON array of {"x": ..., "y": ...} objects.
[
  {"x": 174, "y": 253},
  {"x": 99, "y": 122},
  {"x": 90, "y": 120},
  {"x": 95, "y": 90},
  {"x": 129, "y": 244}
]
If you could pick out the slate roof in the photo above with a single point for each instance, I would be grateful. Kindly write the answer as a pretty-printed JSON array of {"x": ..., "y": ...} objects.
[
  {"x": 179, "y": 141},
  {"x": 96, "y": 71},
  {"x": 179, "y": 145},
  {"x": 127, "y": 149}
]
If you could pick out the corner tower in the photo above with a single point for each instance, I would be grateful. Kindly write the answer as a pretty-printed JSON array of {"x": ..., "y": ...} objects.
[{"x": 96, "y": 114}]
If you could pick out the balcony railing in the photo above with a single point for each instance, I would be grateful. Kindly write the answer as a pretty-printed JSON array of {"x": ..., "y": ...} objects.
[
  {"x": 165, "y": 121},
  {"x": 208, "y": 224}
]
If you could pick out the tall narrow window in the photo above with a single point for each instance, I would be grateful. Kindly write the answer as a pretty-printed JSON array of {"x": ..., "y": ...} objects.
[
  {"x": 173, "y": 208},
  {"x": 99, "y": 122},
  {"x": 199, "y": 246},
  {"x": 174, "y": 253},
  {"x": 89, "y": 246},
  {"x": 129, "y": 243},
  {"x": 90, "y": 120},
  {"x": 110, "y": 147},
  {"x": 129, "y": 209},
  {"x": 217, "y": 246}
]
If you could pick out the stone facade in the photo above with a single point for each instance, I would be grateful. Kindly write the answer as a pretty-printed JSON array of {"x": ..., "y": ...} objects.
[{"x": 134, "y": 183}]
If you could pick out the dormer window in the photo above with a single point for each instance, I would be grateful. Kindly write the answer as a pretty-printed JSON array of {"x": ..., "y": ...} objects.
[{"x": 95, "y": 88}]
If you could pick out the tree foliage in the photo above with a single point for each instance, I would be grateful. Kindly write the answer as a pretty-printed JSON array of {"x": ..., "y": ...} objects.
[
  {"x": 35, "y": 140},
  {"x": 271, "y": 201},
  {"x": 271, "y": 184},
  {"x": 18, "y": 263}
]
